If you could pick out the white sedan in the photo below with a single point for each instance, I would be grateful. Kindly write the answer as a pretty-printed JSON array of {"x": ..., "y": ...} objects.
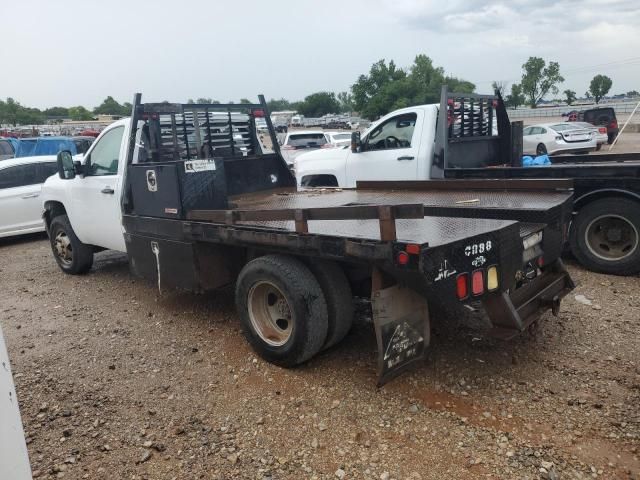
[
  {"x": 551, "y": 138},
  {"x": 338, "y": 139},
  {"x": 21, "y": 180},
  {"x": 600, "y": 132}
]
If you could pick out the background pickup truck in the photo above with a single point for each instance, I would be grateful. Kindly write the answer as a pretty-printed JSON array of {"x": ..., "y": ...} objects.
[
  {"x": 197, "y": 203},
  {"x": 470, "y": 136}
]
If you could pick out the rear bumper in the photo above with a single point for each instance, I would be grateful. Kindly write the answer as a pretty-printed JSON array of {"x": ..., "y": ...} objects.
[{"x": 513, "y": 312}]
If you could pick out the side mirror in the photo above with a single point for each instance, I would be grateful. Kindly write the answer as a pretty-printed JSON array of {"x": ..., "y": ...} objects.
[
  {"x": 356, "y": 143},
  {"x": 66, "y": 167}
]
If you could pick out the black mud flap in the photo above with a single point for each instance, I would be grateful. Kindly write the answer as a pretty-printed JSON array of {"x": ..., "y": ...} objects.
[
  {"x": 401, "y": 319},
  {"x": 513, "y": 313}
]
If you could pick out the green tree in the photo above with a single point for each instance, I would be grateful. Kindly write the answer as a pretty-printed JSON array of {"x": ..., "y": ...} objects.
[
  {"x": 345, "y": 99},
  {"x": 245, "y": 100},
  {"x": 374, "y": 94},
  {"x": 319, "y": 104},
  {"x": 11, "y": 111},
  {"x": 516, "y": 97},
  {"x": 56, "y": 112},
  {"x": 80, "y": 113},
  {"x": 29, "y": 116},
  {"x": 388, "y": 87},
  {"x": 570, "y": 96},
  {"x": 279, "y": 105},
  {"x": 633, "y": 93},
  {"x": 110, "y": 106},
  {"x": 538, "y": 79},
  {"x": 599, "y": 87}
]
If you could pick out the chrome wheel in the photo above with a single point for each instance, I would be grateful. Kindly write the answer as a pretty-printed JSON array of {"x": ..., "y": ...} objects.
[
  {"x": 611, "y": 237},
  {"x": 270, "y": 313},
  {"x": 63, "y": 248}
]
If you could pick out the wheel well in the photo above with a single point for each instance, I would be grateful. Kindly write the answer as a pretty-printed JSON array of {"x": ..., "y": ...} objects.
[
  {"x": 590, "y": 197},
  {"x": 319, "y": 181},
  {"x": 52, "y": 210}
]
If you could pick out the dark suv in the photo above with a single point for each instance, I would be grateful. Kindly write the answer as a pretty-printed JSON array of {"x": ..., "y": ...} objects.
[{"x": 601, "y": 116}]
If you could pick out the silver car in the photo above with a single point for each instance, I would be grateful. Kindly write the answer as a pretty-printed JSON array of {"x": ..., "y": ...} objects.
[{"x": 553, "y": 138}]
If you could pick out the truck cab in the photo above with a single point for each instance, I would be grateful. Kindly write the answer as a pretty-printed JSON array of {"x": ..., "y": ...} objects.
[
  {"x": 95, "y": 179},
  {"x": 399, "y": 146}
]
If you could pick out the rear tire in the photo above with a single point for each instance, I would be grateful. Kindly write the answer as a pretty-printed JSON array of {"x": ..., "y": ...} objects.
[
  {"x": 611, "y": 137},
  {"x": 282, "y": 309},
  {"x": 541, "y": 149},
  {"x": 337, "y": 293},
  {"x": 72, "y": 256},
  {"x": 605, "y": 236}
]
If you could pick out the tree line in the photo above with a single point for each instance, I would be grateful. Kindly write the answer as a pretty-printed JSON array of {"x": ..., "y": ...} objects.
[
  {"x": 539, "y": 79},
  {"x": 386, "y": 87},
  {"x": 13, "y": 113}
]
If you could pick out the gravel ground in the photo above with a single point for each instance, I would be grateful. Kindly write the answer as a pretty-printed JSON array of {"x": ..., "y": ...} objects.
[{"x": 115, "y": 382}]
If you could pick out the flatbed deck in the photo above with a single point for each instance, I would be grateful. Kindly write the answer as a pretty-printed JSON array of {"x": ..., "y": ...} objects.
[{"x": 450, "y": 215}]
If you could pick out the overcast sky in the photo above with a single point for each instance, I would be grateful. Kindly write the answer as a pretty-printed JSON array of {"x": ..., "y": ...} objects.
[{"x": 69, "y": 52}]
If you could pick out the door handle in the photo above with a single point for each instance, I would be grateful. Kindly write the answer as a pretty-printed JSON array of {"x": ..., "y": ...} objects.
[
  {"x": 31, "y": 195},
  {"x": 108, "y": 190},
  {"x": 406, "y": 157}
]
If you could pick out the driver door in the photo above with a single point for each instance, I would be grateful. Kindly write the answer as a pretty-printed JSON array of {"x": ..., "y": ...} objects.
[
  {"x": 389, "y": 151},
  {"x": 96, "y": 217}
]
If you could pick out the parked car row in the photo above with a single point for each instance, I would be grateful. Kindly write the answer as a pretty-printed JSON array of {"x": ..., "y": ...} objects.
[{"x": 38, "y": 146}]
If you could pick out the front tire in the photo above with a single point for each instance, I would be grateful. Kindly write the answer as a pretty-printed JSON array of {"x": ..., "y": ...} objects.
[
  {"x": 282, "y": 309},
  {"x": 73, "y": 256},
  {"x": 605, "y": 236}
]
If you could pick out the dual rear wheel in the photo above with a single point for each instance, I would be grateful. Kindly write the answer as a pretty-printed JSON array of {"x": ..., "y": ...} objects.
[{"x": 290, "y": 310}]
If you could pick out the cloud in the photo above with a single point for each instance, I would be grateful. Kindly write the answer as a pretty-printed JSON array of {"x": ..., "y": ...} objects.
[{"x": 476, "y": 16}]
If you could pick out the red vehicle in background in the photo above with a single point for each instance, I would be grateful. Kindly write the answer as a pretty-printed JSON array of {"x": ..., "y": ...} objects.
[{"x": 89, "y": 133}]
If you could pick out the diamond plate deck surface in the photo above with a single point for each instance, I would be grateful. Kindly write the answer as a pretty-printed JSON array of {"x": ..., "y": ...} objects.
[{"x": 432, "y": 230}]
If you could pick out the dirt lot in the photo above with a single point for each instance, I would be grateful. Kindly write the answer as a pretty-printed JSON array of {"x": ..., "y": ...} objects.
[{"x": 115, "y": 382}]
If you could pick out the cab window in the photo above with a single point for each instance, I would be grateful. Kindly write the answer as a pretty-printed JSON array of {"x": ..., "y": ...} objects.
[
  {"x": 103, "y": 159},
  {"x": 18, "y": 176},
  {"x": 397, "y": 132}
]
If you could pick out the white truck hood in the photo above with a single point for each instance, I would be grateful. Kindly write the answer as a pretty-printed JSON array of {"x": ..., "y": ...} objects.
[{"x": 326, "y": 161}]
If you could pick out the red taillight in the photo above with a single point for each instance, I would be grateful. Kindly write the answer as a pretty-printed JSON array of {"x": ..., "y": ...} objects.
[
  {"x": 477, "y": 282},
  {"x": 602, "y": 129},
  {"x": 462, "y": 286},
  {"x": 613, "y": 124},
  {"x": 258, "y": 113},
  {"x": 402, "y": 258},
  {"x": 540, "y": 262}
]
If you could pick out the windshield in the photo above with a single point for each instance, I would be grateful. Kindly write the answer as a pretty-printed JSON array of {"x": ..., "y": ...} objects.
[{"x": 306, "y": 139}]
